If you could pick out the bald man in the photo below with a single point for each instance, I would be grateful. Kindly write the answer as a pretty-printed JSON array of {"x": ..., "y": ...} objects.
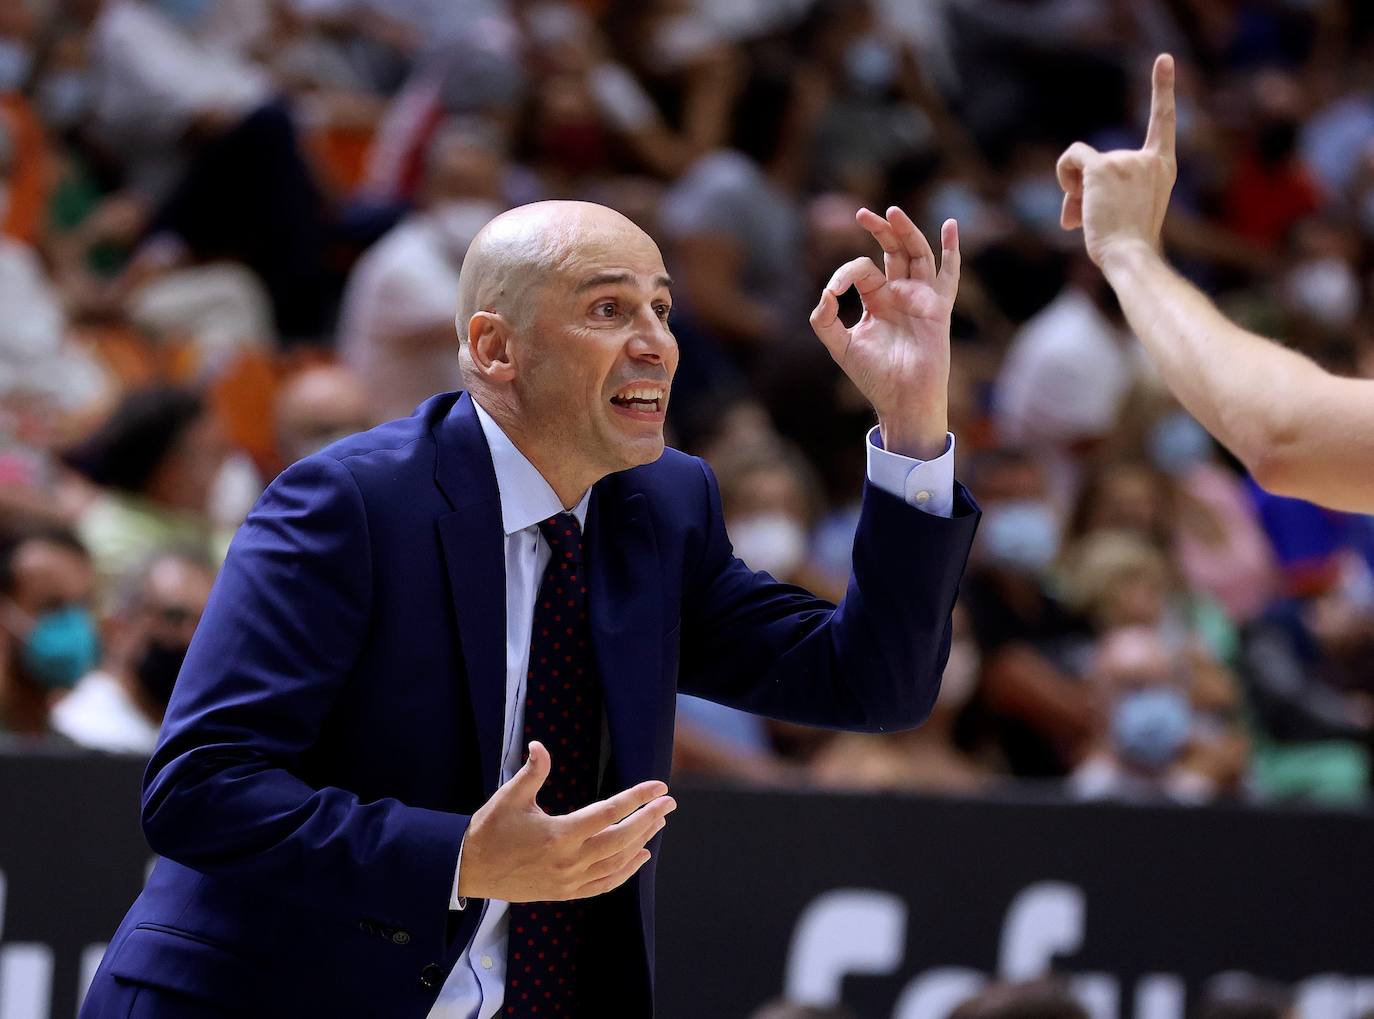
[
  {"x": 1299, "y": 430},
  {"x": 416, "y": 761}
]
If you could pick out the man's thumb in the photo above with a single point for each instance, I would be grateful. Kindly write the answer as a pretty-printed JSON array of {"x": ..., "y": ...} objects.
[{"x": 530, "y": 778}]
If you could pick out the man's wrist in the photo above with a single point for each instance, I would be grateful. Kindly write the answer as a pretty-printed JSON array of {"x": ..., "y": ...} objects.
[
  {"x": 1126, "y": 256},
  {"x": 920, "y": 440}
]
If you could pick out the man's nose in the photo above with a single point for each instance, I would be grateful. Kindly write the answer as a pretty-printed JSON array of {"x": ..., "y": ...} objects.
[{"x": 653, "y": 341}]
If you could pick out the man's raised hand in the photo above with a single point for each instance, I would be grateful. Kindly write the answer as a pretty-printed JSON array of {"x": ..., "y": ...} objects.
[
  {"x": 517, "y": 853},
  {"x": 898, "y": 352},
  {"x": 1120, "y": 198}
]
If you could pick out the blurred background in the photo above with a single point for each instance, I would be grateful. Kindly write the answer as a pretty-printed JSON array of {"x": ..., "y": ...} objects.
[{"x": 232, "y": 232}]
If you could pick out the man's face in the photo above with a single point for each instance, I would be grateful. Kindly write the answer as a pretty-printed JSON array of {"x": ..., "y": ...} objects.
[
  {"x": 174, "y": 598},
  {"x": 49, "y": 577},
  {"x": 597, "y": 357}
]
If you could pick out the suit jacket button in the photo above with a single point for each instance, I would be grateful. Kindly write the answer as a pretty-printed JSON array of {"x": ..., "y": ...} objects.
[
  {"x": 432, "y": 975},
  {"x": 401, "y": 938}
]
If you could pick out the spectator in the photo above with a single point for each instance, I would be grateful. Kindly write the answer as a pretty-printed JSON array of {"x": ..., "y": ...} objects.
[
  {"x": 1156, "y": 745},
  {"x": 396, "y": 329},
  {"x": 48, "y": 634},
  {"x": 1065, "y": 377},
  {"x": 1040, "y": 712},
  {"x": 153, "y": 464},
  {"x": 317, "y": 406},
  {"x": 1035, "y": 999},
  {"x": 212, "y": 152},
  {"x": 922, "y": 760},
  {"x": 1116, "y": 578},
  {"x": 118, "y": 707},
  {"x": 769, "y": 497}
]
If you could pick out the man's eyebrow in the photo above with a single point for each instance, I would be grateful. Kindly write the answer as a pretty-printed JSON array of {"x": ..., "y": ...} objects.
[{"x": 604, "y": 279}]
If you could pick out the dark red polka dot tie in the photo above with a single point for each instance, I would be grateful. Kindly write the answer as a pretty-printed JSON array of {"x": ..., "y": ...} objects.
[{"x": 562, "y": 711}]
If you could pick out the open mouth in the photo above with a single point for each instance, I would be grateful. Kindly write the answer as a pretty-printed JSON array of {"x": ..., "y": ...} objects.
[{"x": 641, "y": 399}]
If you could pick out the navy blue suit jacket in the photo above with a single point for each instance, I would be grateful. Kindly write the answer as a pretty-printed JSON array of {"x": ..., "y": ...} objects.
[{"x": 339, "y": 715}]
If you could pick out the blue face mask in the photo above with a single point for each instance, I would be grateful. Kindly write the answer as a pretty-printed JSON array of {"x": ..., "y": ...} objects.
[
  {"x": 62, "y": 647},
  {"x": 1178, "y": 443},
  {"x": 1022, "y": 536},
  {"x": 187, "y": 12},
  {"x": 872, "y": 65},
  {"x": 15, "y": 62},
  {"x": 1151, "y": 727}
]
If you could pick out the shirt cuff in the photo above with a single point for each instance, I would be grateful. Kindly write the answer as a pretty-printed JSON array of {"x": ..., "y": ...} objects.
[
  {"x": 456, "y": 901},
  {"x": 926, "y": 484}
]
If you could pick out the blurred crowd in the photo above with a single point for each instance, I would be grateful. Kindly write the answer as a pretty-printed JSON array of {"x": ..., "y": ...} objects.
[{"x": 233, "y": 229}]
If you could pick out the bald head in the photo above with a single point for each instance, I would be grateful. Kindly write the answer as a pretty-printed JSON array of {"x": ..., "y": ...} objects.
[
  {"x": 564, "y": 338},
  {"x": 527, "y": 245}
]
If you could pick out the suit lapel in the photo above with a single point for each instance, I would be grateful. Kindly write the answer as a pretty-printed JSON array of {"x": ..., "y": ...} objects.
[
  {"x": 473, "y": 543},
  {"x": 627, "y": 618}
]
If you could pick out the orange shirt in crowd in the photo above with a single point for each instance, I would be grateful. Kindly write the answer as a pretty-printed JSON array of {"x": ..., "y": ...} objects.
[{"x": 31, "y": 179}]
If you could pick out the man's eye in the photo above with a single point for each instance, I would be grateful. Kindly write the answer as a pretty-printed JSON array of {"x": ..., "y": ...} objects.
[
  {"x": 662, "y": 311},
  {"x": 605, "y": 310}
]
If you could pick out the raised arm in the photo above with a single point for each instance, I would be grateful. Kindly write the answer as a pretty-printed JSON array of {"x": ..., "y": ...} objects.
[{"x": 1300, "y": 430}]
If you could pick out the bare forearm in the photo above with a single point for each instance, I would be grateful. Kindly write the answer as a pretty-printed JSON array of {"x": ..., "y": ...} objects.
[{"x": 1241, "y": 387}]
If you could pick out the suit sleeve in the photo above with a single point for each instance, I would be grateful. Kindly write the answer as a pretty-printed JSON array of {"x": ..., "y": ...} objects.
[
  {"x": 871, "y": 664},
  {"x": 281, "y": 634}
]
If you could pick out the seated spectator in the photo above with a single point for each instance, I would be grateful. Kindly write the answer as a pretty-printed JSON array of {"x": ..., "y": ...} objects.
[
  {"x": 1217, "y": 543},
  {"x": 118, "y": 707},
  {"x": 396, "y": 328},
  {"x": 1033, "y": 701},
  {"x": 154, "y": 463},
  {"x": 1163, "y": 740},
  {"x": 1306, "y": 670},
  {"x": 1034, "y": 999},
  {"x": 926, "y": 759},
  {"x": 210, "y": 150},
  {"x": 48, "y": 634},
  {"x": 317, "y": 406},
  {"x": 1065, "y": 377},
  {"x": 769, "y": 497},
  {"x": 1117, "y": 578}
]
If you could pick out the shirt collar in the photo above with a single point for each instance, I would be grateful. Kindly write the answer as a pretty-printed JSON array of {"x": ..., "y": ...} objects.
[{"x": 526, "y": 498}]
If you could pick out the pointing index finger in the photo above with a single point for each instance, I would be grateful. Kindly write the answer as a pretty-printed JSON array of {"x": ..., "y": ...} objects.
[{"x": 1159, "y": 136}]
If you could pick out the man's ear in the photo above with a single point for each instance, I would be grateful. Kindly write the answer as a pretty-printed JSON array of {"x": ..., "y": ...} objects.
[{"x": 489, "y": 346}]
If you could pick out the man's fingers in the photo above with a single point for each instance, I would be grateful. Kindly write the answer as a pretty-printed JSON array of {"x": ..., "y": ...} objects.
[
  {"x": 863, "y": 276},
  {"x": 896, "y": 262},
  {"x": 615, "y": 880},
  {"x": 606, "y": 867},
  {"x": 922, "y": 259},
  {"x": 825, "y": 322},
  {"x": 1076, "y": 158},
  {"x": 948, "y": 279},
  {"x": 1159, "y": 136},
  {"x": 631, "y": 832},
  {"x": 528, "y": 780},
  {"x": 1070, "y": 169},
  {"x": 595, "y": 816},
  {"x": 1071, "y": 215}
]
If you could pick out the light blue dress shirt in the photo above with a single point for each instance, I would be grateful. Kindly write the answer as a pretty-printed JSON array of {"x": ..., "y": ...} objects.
[{"x": 477, "y": 984}]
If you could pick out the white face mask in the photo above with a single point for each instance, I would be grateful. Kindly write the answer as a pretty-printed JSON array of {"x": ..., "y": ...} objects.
[
  {"x": 1324, "y": 290},
  {"x": 772, "y": 542}
]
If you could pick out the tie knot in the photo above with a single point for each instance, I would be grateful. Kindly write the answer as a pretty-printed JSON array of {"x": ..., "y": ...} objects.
[{"x": 564, "y": 535}]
